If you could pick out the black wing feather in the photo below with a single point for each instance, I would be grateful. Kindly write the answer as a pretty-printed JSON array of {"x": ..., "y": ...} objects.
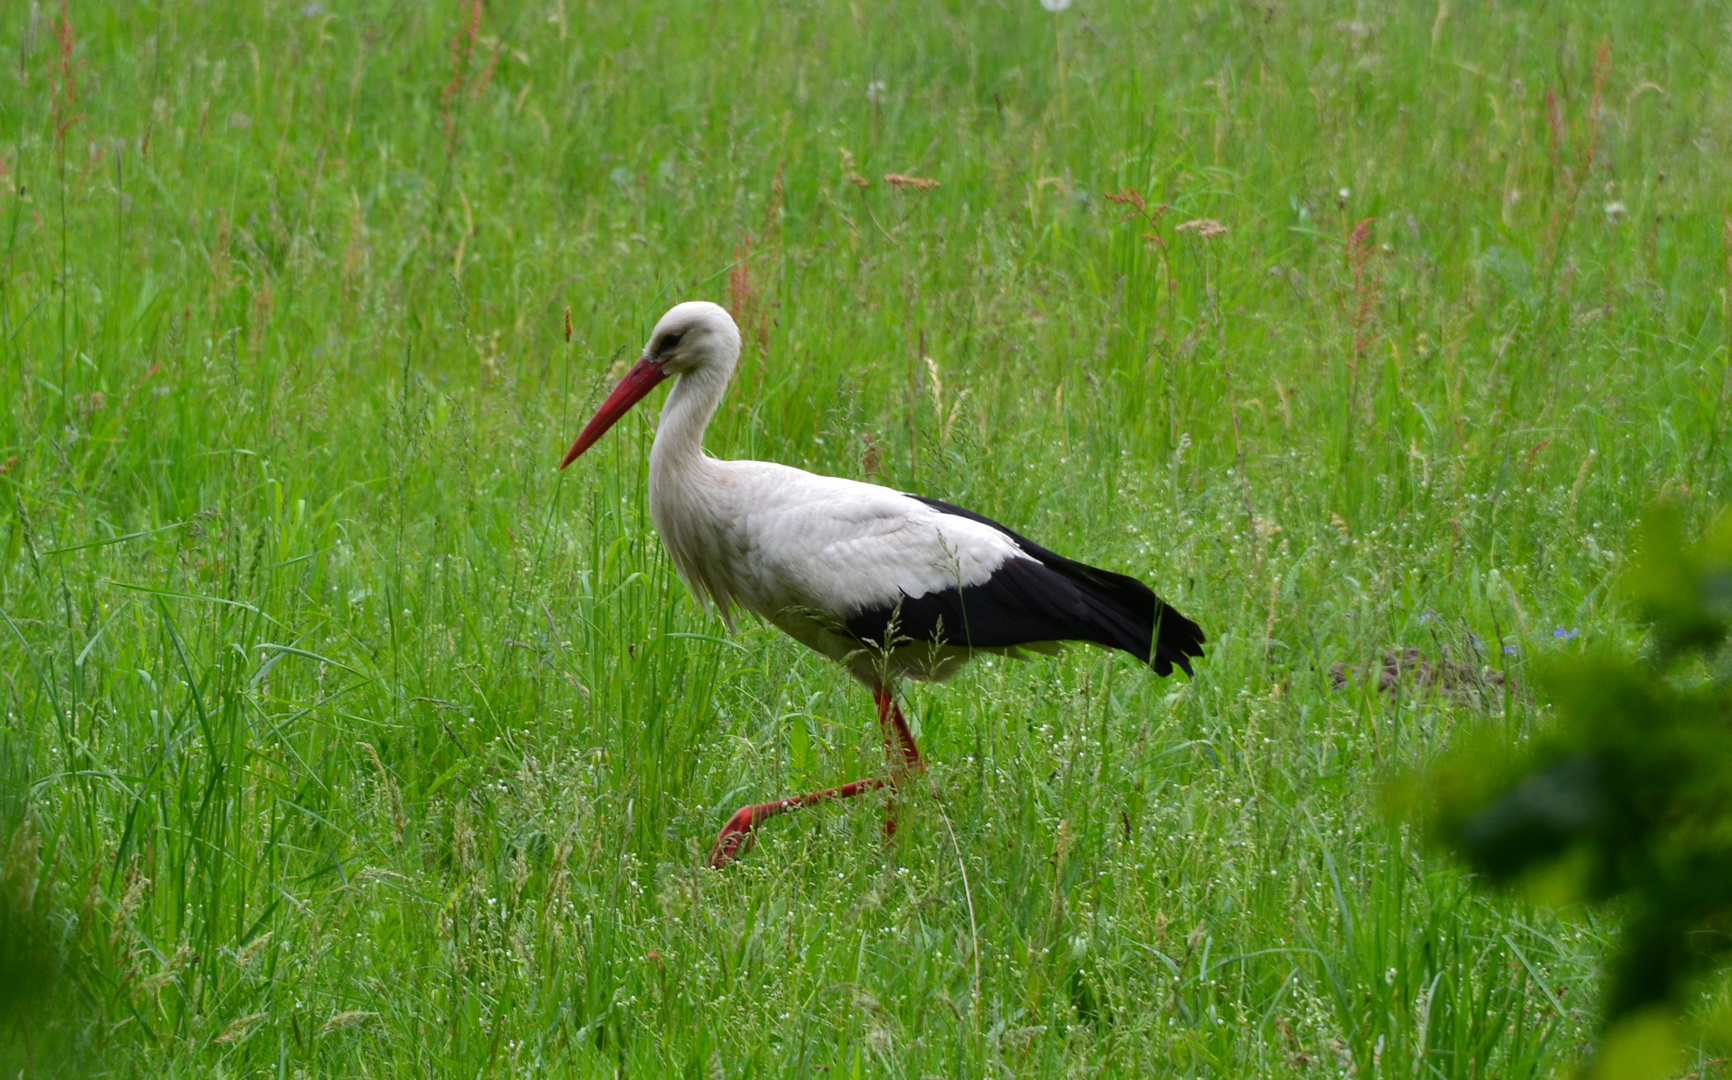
[{"x": 1045, "y": 597}]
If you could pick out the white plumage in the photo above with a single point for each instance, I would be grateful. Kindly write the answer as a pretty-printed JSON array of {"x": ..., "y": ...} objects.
[
  {"x": 809, "y": 552},
  {"x": 888, "y": 584}
]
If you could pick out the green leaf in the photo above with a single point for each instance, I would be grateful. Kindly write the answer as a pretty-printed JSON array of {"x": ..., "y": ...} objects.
[{"x": 1643, "y": 1047}]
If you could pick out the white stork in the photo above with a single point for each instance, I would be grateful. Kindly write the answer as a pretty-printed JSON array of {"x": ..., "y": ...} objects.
[{"x": 887, "y": 584}]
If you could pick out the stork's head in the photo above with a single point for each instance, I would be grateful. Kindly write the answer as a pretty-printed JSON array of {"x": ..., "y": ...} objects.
[{"x": 696, "y": 338}]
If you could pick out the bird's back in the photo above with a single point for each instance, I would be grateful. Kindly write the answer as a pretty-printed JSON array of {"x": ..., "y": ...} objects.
[
  {"x": 1047, "y": 597},
  {"x": 840, "y": 563},
  {"x": 770, "y": 536}
]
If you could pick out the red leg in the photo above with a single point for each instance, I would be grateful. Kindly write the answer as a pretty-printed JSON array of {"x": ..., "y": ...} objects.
[
  {"x": 905, "y": 759},
  {"x": 898, "y": 743},
  {"x": 736, "y": 835},
  {"x": 897, "y": 737}
]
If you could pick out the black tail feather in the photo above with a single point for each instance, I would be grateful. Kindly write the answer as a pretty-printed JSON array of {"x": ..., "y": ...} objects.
[{"x": 1045, "y": 598}]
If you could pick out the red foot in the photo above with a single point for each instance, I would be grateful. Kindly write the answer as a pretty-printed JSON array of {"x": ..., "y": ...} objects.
[{"x": 736, "y": 836}]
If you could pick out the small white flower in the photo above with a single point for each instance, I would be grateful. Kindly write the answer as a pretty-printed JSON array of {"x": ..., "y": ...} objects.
[
  {"x": 1615, "y": 212},
  {"x": 876, "y": 91},
  {"x": 1055, "y": 6}
]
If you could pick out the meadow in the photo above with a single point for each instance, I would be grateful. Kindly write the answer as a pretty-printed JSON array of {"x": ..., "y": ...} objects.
[{"x": 344, "y": 736}]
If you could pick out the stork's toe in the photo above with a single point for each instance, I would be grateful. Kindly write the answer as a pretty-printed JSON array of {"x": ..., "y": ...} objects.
[{"x": 735, "y": 837}]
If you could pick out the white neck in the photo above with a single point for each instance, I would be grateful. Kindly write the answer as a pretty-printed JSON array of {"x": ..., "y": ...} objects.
[
  {"x": 683, "y": 486},
  {"x": 679, "y": 440}
]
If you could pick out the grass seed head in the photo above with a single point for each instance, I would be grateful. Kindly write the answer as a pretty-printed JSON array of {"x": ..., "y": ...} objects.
[
  {"x": 237, "y": 1029},
  {"x": 347, "y": 1020},
  {"x": 1207, "y": 228},
  {"x": 918, "y": 183},
  {"x": 252, "y": 949}
]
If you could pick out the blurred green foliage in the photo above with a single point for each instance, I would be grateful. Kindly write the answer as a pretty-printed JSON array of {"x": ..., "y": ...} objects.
[
  {"x": 43, "y": 1021},
  {"x": 1627, "y": 795}
]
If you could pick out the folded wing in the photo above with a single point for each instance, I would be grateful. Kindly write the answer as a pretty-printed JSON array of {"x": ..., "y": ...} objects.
[{"x": 1035, "y": 595}]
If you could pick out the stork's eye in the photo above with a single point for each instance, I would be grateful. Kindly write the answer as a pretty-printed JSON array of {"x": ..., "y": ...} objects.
[{"x": 671, "y": 341}]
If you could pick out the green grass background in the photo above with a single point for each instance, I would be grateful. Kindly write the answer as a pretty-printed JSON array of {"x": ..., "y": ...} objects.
[{"x": 342, "y": 736}]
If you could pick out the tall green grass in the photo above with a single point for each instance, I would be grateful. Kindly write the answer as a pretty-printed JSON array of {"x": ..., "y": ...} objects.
[{"x": 342, "y": 735}]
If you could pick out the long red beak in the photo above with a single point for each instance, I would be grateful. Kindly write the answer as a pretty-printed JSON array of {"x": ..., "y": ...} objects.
[{"x": 640, "y": 380}]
